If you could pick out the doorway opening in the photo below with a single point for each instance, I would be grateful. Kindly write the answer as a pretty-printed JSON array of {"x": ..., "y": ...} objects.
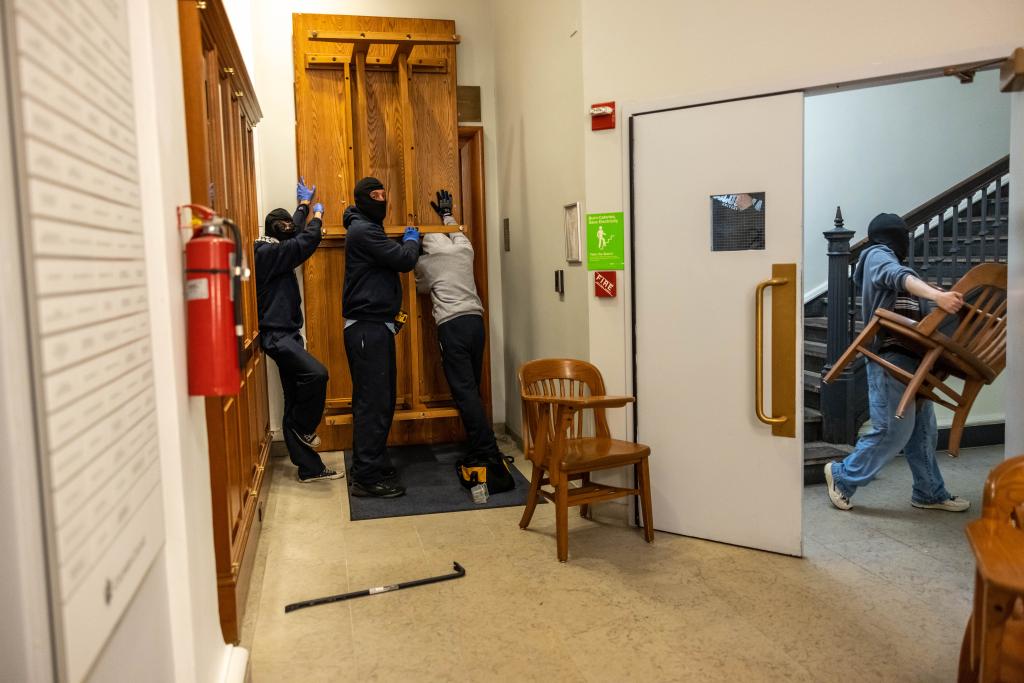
[{"x": 935, "y": 152}]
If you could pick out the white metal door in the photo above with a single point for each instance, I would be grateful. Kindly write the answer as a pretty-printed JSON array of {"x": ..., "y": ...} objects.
[{"x": 718, "y": 472}]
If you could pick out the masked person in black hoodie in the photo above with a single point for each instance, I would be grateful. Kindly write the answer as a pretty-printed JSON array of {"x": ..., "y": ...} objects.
[
  {"x": 286, "y": 244},
  {"x": 371, "y": 299},
  {"x": 884, "y": 282}
]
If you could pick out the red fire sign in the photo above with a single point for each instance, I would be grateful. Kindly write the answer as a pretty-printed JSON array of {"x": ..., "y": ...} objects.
[{"x": 604, "y": 284}]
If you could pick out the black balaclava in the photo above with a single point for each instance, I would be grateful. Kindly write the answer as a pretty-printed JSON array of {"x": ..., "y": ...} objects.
[
  {"x": 278, "y": 225},
  {"x": 371, "y": 208},
  {"x": 890, "y": 230}
]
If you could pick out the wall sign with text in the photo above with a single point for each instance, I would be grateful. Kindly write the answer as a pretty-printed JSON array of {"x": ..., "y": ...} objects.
[
  {"x": 605, "y": 286},
  {"x": 606, "y": 249}
]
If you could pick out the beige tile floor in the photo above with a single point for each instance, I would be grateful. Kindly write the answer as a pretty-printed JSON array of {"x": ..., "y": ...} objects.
[{"x": 882, "y": 594}]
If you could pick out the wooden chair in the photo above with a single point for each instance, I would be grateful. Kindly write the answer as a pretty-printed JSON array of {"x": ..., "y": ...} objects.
[
  {"x": 970, "y": 346},
  {"x": 993, "y": 646},
  {"x": 555, "y": 395}
]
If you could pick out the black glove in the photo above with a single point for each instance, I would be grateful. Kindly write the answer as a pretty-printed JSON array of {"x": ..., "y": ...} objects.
[{"x": 443, "y": 207}]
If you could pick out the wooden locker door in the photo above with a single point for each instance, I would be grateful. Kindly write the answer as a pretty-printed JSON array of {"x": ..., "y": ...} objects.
[{"x": 387, "y": 110}]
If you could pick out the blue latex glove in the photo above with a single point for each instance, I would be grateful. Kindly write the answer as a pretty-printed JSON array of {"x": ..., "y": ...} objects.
[
  {"x": 411, "y": 234},
  {"x": 318, "y": 208},
  {"x": 302, "y": 191}
]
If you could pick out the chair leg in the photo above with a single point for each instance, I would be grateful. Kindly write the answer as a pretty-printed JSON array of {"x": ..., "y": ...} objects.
[
  {"x": 997, "y": 607},
  {"x": 645, "y": 500},
  {"x": 910, "y": 393},
  {"x": 532, "y": 496},
  {"x": 966, "y": 672},
  {"x": 865, "y": 336},
  {"x": 956, "y": 430},
  {"x": 562, "y": 519},
  {"x": 585, "y": 507}
]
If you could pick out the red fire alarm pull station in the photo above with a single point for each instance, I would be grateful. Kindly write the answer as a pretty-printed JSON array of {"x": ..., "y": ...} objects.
[
  {"x": 602, "y": 116},
  {"x": 604, "y": 284}
]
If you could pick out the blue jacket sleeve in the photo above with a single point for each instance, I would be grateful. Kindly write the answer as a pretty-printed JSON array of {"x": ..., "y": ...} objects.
[
  {"x": 287, "y": 255},
  {"x": 387, "y": 252},
  {"x": 886, "y": 272}
]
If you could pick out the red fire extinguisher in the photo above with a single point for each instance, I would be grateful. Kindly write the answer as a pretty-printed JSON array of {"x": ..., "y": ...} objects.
[{"x": 214, "y": 269}]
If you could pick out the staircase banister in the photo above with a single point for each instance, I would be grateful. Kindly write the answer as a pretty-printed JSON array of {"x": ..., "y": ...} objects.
[{"x": 943, "y": 201}]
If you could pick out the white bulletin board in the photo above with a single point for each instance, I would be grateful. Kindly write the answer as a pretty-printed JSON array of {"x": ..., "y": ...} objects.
[{"x": 73, "y": 114}]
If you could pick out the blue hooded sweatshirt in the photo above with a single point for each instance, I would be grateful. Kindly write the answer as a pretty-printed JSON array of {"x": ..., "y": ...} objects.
[{"x": 880, "y": 278}]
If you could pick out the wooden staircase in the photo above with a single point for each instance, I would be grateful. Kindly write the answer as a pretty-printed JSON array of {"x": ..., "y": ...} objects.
[{"x": 953, "y": 232}]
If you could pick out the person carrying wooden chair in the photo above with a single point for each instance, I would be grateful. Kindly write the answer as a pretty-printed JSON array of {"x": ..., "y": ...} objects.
[{"x": 884, "y": 282}]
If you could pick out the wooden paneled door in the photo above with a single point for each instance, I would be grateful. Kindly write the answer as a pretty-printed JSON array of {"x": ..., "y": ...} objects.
[
  {"x": 221, "y": 110},
  {"x": 376, "y": 96}
]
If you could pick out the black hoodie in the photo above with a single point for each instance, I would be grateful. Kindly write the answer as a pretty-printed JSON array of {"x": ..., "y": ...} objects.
[
  {"x": 372, "y": 290},
  {"x": 277, "y": 289}
]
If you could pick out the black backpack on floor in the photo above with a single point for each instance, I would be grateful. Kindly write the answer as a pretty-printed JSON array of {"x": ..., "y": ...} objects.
[{"x": 493, "y": 470}]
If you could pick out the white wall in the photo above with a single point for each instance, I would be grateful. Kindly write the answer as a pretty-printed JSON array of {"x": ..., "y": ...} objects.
[
  {"x": 675, "y": 52},
  {"x": 273, "y": 78},
  {"x": 891, "y": 148},
  {"x": 189, "y": 576},
  {"x": 540, "y": 143}
]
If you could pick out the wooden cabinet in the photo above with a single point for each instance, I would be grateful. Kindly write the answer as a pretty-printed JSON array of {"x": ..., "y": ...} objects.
[
  {"x": 376, "y": 96},
  {"x": 220, "y": 111}
]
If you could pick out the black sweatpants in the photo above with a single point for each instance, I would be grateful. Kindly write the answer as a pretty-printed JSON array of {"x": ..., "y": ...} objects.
[
  {"x": 370, "y": 347},
  {"x": 462, "y": 356},
  {"x": 304, "y": 380}
]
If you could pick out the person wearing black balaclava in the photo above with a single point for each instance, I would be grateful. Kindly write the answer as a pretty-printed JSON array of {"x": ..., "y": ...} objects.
[
  {"x": 371, "y": 298},
  {"x": 287, "y": 242},
  {"x": 884, "y": 282}
]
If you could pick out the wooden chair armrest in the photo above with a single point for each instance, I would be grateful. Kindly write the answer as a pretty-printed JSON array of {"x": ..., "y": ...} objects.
[
  {"x": 998, "y": 548},
  {"x": 581, "y": 402},
  {"x": 896, "y": 318}
]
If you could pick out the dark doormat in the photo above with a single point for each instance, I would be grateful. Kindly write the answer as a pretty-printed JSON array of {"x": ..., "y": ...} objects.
[{"x": 428, "y": 473}]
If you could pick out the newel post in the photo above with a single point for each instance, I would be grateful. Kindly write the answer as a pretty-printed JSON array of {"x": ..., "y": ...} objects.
[{"x": 837, "y": 398}]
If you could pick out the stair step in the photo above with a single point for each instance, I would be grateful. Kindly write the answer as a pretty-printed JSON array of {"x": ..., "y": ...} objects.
[
  {"x": 811, "y": 415},
  {"x": 815, "y": 348},
  {"x": 821, "y": 323},
  {"x": 812, "y": 382}
]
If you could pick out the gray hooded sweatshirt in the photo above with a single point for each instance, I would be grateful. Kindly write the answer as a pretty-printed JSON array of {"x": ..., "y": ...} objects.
[{"x": 445, "y": 269}]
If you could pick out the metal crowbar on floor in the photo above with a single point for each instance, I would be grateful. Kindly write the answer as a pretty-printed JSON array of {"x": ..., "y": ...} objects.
[{"x": 459, "y": 572}]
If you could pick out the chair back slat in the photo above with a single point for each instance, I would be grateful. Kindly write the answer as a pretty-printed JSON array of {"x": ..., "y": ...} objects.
[
  {"x": 565, "y": 378},
  {"x": 980, "y": 326}
]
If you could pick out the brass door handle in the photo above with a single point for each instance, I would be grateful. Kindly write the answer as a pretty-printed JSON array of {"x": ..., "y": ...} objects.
[{"x": 759, "y": 352}]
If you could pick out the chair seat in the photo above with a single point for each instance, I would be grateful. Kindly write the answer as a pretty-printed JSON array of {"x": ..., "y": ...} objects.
[
  {"x": 957, "y": 360},
  {"x": 595, "y": 453}
]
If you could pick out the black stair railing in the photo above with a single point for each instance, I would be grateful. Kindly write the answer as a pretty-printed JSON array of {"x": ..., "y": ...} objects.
[{"x": 951, "y": 233}]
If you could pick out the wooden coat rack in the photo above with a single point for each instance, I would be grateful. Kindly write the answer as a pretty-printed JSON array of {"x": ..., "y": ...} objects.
[{"x": 376, "y": 96}]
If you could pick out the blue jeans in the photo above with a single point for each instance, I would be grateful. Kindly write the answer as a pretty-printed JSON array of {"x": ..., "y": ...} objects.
[{"x": 916, "y": 435}]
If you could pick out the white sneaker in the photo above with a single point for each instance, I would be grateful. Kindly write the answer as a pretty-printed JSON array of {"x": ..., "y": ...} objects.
[
  {"x": 954, "y": 504},
  {"x": 311, "y": 440},
  {"x": 837, "y": 498}
]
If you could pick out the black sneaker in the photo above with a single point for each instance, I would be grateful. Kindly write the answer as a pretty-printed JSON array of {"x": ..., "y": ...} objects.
[
  {"x": 327, "y": 473},
  {"x": 389, "y": 473},
  {"x": 311, "y": 440},
  {"x": 381, "y": 489}
]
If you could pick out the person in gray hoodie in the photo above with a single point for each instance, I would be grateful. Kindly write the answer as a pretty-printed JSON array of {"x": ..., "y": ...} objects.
[
  {"x": 445, "y": 270},
  {"x": 884, "y": 282}
]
